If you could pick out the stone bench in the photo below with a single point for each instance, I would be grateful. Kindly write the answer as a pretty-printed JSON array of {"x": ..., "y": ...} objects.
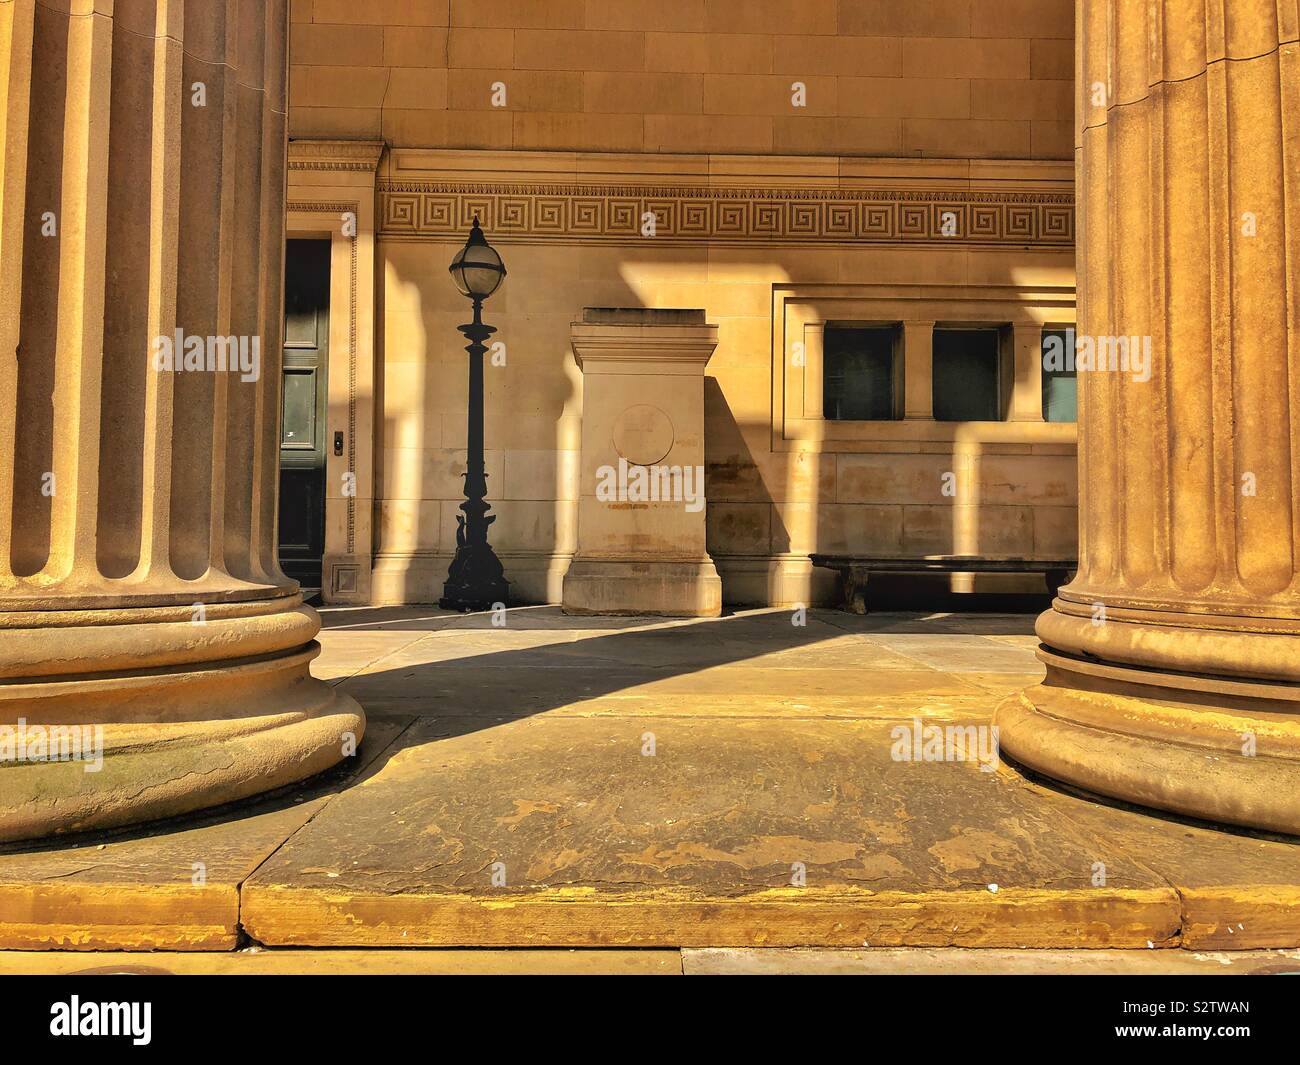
[{"x": 855, "y": 570}]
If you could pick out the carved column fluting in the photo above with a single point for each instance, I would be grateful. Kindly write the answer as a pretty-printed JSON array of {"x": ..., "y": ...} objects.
[
  {"x": 1173, "y": 658},
  {"x": 142, "y": 206}
]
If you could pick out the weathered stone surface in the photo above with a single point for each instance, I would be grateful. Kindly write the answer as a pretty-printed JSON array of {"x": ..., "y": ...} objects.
[
  {"x": 1238, "y": 890},
  {"x": 705, "y": 961},
  {"x": 942, "y": 961},
  {"x": 259, "y": 962},
  {"x": 756, "y": 662},
  {"x": 772, "y": 747},
  {"x": 169, "y": 885},
  {"x": 696, "y": 845}
]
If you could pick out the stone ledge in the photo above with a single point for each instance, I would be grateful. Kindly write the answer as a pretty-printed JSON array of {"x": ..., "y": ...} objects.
[
  {"x": 688, "y": 962},
  {"x": 652, "y": 917},
  {"x": 772, "y": 747}
]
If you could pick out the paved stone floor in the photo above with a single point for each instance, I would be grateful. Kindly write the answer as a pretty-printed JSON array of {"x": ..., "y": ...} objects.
[{"x": 732, "y": 783}]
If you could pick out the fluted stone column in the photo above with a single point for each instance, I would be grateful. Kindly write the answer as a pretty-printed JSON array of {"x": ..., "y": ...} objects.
[
  {"x": 1173, "y": 659},
  {"x": 141, "y": 603}
]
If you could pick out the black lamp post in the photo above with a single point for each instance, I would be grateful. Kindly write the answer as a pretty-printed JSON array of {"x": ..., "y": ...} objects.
[{"x": 475, "y": 579}]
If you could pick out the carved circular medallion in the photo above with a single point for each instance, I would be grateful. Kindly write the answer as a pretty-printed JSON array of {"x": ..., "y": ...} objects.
[{"x": 643, "y": 434}]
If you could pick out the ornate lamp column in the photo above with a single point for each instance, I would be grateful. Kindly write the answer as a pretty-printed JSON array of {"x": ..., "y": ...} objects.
[
  {"x": 475, "y": 579},
  {"x": 153, "y": 658},
  {"x": 1173, "y": 659}
]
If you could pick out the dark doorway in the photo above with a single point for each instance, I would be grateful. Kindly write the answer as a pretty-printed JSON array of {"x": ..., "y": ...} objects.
[{"x": 302, "y": 422}]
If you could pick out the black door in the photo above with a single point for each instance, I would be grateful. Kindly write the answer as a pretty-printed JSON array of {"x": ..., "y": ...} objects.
[{"x": 302, "y": 423}]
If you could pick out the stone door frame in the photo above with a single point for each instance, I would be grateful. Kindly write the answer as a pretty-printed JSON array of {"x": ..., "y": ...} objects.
[{"x": 331, "y": 194}]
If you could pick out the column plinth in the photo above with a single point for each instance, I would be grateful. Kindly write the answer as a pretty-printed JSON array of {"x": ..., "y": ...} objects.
[
  {"x": 641, "y": 508},
  {"x": 1173, "y": 664},
  {"x": 154, "y": 660}
]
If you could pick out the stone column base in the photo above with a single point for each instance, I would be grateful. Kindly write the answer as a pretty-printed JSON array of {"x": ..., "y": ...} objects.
[
  {"x": 665, "y": 589},
  {"x": 113, "y": 717},
  {"x": 1207, "y": 747}
]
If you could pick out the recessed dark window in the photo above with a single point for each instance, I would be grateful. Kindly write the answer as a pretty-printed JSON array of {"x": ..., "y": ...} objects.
[
  {"x": 1060, "y": 385},
  {"x": 967, "y": 374},
  {"x": 859, "y": 373}
]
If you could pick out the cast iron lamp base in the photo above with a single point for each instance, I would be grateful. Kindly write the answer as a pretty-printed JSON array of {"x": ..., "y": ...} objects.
[{"x": 475, "y": 580}]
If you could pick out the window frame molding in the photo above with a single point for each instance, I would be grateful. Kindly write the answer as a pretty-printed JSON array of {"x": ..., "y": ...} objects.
[
  {"x": 1004, "y": 366},
  {"x": 1058, "y": 327},
  {"x": 801, "y": 312},
  {"x": 897, "y": 382}
]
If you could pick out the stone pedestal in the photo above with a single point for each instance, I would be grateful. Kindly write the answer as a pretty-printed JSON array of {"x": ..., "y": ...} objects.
[
  {"x": 1173, "y": 659},
  {"x": 153, "y": 658},
  {"x": 641, "y": 539}
]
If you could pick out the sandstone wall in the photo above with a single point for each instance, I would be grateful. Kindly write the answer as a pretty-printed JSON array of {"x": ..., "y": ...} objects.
[
  {"x": 620, "y": 107},
  {"x": 947, "y": 78}
]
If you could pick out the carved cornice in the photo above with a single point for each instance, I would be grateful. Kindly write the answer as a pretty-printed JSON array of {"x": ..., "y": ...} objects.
[
  {"x": 320, "y": 206},
  {"x": 622, "y": 348},
  {"x": 323, "y": 207},
  {"x": 335, "y": 155},
  {"x": 686, "y": 214}
]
